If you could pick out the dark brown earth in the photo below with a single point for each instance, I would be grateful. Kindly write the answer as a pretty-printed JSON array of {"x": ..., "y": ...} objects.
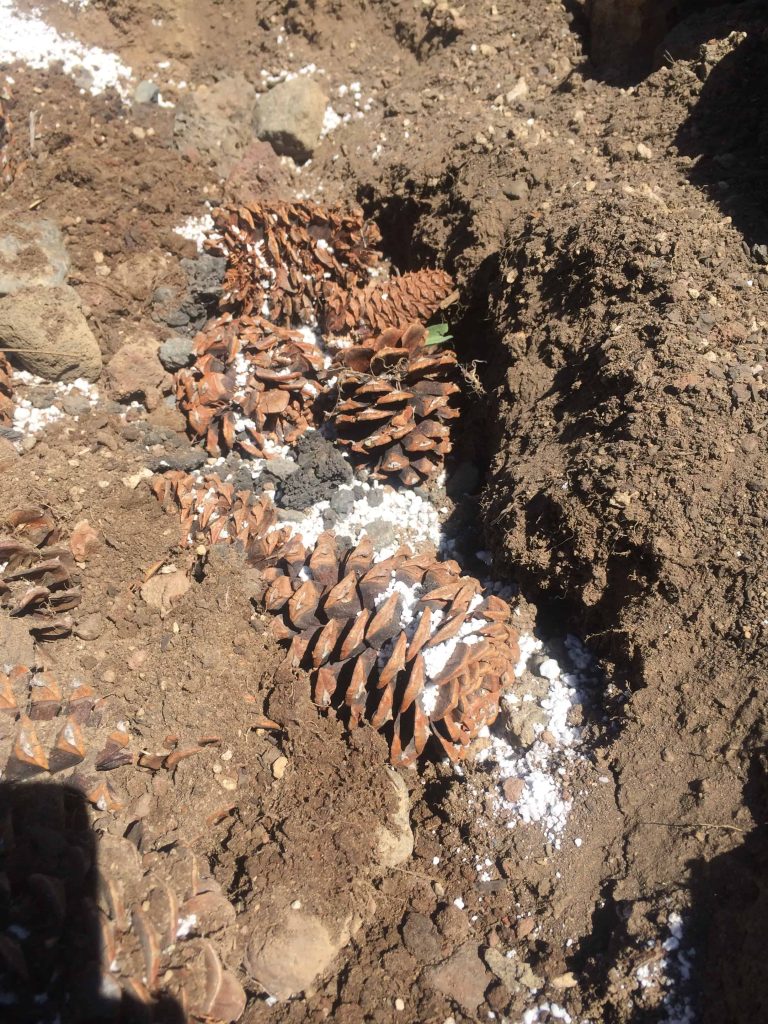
[{"x": 609, "y": 244}]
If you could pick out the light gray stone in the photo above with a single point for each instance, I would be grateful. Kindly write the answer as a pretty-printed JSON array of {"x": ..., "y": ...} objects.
[
  {"x": 146, "y": 92},
  {"x": 32, "y": 253},
  {"x": 48, "y": 333},
  {"x": 176, "y": 353},
  {"x": 290, "y": 117}
]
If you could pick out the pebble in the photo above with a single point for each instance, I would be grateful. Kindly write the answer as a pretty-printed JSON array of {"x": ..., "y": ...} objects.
[
  {"x": 176, "y": 352},
  {"x": 399, "y": 1004},
  {"x": 279, "y": 766},
  {"x": 644, "y": 152},
  {"x": 290, "y": 117},
  {"x": 146, "y": 92},
  {"x": 90, "y": 627},
  {"x": 375, "y": 497},
  {"x": 75, "y": 404}
]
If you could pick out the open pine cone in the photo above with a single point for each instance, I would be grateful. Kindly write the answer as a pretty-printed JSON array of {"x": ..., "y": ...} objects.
[
  {"x": 394, "y": 302},
  {"x": 6, "y": 392},
  {"x": 93, "y": 929},
  {"x": 253, "y": 385},
  {"x": 37, "y": 574},
  {"x": 408, "y": 640},
  {"x": 281, "y": 255},
  {"x": 49, "y": 729},
  {"x": 213, "y": 512},
  {"x": 392, "y": 405}
]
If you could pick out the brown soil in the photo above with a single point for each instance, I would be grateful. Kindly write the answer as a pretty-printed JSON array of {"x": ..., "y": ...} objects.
[{"x": 614, "y": 319}]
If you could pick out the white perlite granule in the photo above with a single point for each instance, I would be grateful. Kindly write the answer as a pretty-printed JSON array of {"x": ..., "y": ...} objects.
[
  {"x": 196, "y": 229},
  {"x": 28, "y": 419},
  {"x": 28, "y": 39},
  {"x": 541, "y": 768},
  {"x": 672, "y": 973}
]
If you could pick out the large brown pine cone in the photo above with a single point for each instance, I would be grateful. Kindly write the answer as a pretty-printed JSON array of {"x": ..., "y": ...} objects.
[
  {"x": 252, "y": 386},
  {"x": 47, "y": 729},
  {"x": 6, "y": 391},
  {"x": 92, "y": 929},
  {"x": 392, "y": 405},
  {"x": 213, "y": 512},
  {"x": 280, "y": 256},
  {"x": 394, "y": 302},
  {"x": 408, "y": 640},
  {"x": 37, "y": 572}
]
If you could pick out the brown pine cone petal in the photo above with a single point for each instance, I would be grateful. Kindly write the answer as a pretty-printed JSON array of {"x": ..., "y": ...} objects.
[
  {"x": 354, "y": 642},
  {"x": 343, "y": 601}
]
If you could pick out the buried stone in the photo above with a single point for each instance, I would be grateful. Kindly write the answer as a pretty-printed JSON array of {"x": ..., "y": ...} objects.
[{"x": 321, "y": 469}]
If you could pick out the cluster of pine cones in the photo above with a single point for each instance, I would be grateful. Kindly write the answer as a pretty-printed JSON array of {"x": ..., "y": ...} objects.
[
  {"x": 93, "y": 928},
  {"x": 258, "y": 382}
]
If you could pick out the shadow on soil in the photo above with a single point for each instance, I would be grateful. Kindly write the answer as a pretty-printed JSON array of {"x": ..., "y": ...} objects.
[{"x": 50, "y": 921}]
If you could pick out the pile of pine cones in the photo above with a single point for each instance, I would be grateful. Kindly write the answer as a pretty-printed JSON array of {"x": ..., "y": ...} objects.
[
  {"x": 92, "y": 928},
  {"x": 6, "y": 392},
  {"x": 258, "y": 383},
  {"x": 37, "y": 575}
]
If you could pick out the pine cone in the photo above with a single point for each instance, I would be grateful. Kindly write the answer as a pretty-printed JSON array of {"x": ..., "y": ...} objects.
[
  {"x": 36, "y": 574},
  {"x": 7, "y": 164},
  {"x": 48, "y": 729},
  {"x": 92, "y": 925},
  {"x": 281, "y": 255},
  {"x": 6, "y": 392},
  {"x": 407, "y": 640},
  {"x": 253, "y": 386},
  {"x": 392, "y": 406},
  {"x": 395, "y": 302},
  {"x": 213, "y": 512}
]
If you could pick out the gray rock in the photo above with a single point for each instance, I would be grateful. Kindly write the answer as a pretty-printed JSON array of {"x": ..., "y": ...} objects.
[
  {"x": 342, "y": 502},
  {"x": 75, "y": 404},
  {"x": 420, "y": 938},
  {"x": 176, "y": 353},
  {"x": 329, "y": 519},
  {"x": 321, "y": 469},
  {"x": 279, "y": 469},
  {"x": 89, "y": 627},
  {"x": 146, "y": 92},
  {"x": 187, "y": 461},
  {"x": 32, "y": 253},
  {"x": 290, "y": 117},
  {"x": 375, "y": 498},
  {"x": 215, "y": 120},
  {"x": 42, "y": 397},
  {"x": 382, "y": 534},
  {"x": 47, "y": 327}
]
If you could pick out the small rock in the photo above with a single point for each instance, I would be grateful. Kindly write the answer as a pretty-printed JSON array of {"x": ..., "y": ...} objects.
[
  {"x": 321, "y": 469},
  {"x": 215, "y": 121},
  {"x": 90, "y": 627},
  {"x": 187, "y": 461},
  {"x": 47, "y": 327},
  {"x": 279, "y": 469},
  {"x": 84, "y": 540},
  {"x": 644, "y": 152},
  {"x": 342, "y": 502},
  {"x": 146, "y": 92},
  {"x": 163, "y": 590},
  {"x": 176, "y": 353},
  {"x": 525, "y": 927},
  {"x": 462, "y": 978},
  {"x": 290, "y": 117},
  {"x": 76, "y": 404},
  {"x": 516, "y": 189},
  {"x": 395, "y": 837},
  {"x": 42, "y": 397},
  {"x": 513, "y": 789},
  {"x": 134, "y": 373},
  {"x": 375, "y": 497},
  {"x": 382, "y": 534},
  {"x": 279, "y": 766},
  {"x": 518, "y": 91},
  {"x": 32, "y": 254},
  {"x": 133, "y": 481},
  {"x": 420, "y": 938}
]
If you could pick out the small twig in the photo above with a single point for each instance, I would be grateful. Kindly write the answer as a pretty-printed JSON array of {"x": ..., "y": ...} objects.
[{"x": 696, "y": 825}]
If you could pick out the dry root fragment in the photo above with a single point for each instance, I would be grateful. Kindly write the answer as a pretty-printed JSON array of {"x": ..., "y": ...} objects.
[
  {"x": 283, "y": 255},
  {"x": 407, "y": 641},
  {"x": 252, "y": 384},
  {"x": 393, "y": 406},
  {"x": 48, "y": 729},
  {"x": 6, "y": 392},
  {"x": 37, "y": 574},
  {"x": 396, "y": 302},
  {"x": 213, "y": 512},
  {"x": 81, "y": 911},
  {"x": 7, "y": 164}
]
